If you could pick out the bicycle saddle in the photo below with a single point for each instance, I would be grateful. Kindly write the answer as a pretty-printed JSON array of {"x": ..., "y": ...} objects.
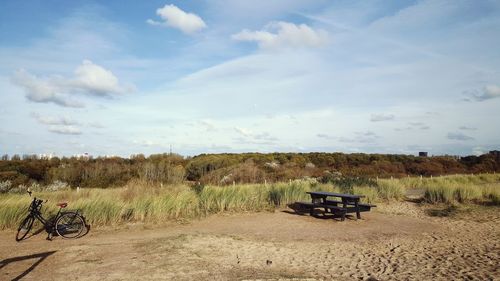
[{"x": 62, "y": 205}]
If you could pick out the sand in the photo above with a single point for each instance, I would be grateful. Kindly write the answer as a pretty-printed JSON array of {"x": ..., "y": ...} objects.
[{"x": 398, "y": 241}]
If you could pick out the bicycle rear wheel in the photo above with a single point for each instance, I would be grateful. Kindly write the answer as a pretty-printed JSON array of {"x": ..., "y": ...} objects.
[
  {"x": 70, "y": 225},
  {"x": 24, "y": 228}
]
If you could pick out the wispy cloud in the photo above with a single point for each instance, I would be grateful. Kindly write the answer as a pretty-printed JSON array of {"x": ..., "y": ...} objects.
[
  {"x": 325, "y": 136},
  {"x": 459, "y": 136},
  {"x": 96, "y": 125},
  {"x": 419, "y": 125},
  {"x": 281, "y": 34},
  {"x": 208, "y": 125},
  {"x": 249, "y": 137},
  {"x": 51, "y": 120},
  {"x": 367, "y": 134},
  {"x": 265, "y": 136},
  {"x": 381, "y": 117},
  {"x": 65, "y": 130},
  {"x": 414, "y": 126},
  {"x": 465, "y": 128},
  {"x": 60, "y": 125},
  {"x": 243, "y": 131},
  {"x": 147, "y": 143},
  {"x": 359, "y": 137},
  {"x": 397, "y": 61}
]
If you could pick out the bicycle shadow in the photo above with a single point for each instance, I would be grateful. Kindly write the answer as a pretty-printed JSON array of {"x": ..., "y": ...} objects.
[{"x": 40, "y": 257}]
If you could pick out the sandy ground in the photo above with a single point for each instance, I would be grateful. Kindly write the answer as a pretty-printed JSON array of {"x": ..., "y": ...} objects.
[{"x": 400, "y": 241}]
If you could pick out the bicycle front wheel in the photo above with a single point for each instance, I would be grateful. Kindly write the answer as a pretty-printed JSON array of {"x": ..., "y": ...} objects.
[
  {"x": 70, "y": 225},
  {"x": 24, "y": 228}
]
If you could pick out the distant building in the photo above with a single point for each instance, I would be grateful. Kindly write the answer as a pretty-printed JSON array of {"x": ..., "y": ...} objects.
[
  {"x": 110, "y": 156},
  {"x": 83, "y": 156},
  {"x": 422, "y": 154},
  {"x": 47, "y": 156}
]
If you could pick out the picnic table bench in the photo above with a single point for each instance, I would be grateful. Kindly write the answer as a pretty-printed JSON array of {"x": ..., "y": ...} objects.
[{"x": 349, "y": 203}]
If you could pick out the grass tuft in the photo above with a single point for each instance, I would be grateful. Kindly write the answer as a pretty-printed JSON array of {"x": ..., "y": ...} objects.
[{"x": 140, "y": 201}]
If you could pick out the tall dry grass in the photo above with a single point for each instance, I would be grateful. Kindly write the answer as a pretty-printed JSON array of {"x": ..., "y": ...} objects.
[
  {"x": 456, "y": 188},
  {"x": 451, "y": 189},
  {"x": 139, "y": 201},
  {"x": 391, "y": 189}
]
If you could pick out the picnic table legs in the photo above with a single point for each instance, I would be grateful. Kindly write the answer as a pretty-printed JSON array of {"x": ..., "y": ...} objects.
[
  {"x": 344, "y": 204},
  {"x": 356, "y": 207},
  {"x": 323, "y": 200},
  {"x": 318, "y": 199},
  {"x": 358, "y": 213}
]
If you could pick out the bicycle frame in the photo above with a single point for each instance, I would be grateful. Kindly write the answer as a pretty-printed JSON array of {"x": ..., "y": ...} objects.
[
  {"x": 68, "y": 224},
  {"x": 35, "y": 211}
]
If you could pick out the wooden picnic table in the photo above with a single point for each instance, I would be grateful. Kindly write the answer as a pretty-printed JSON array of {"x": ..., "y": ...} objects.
[{"x": 321, "y": 197}]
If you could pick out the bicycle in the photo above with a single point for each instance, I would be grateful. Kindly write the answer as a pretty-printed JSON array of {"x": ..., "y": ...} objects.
[{"x": 67, "y": 224}]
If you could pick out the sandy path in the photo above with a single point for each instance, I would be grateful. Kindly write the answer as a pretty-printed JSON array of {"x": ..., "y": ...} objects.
[{"x": 270, "y": 246}]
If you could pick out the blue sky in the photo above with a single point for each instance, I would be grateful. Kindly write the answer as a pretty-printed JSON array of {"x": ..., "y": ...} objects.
[{"x": 125, "y": 77}]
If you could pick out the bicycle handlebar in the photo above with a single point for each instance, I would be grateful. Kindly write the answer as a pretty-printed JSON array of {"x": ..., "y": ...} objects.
[{"x": 38, "y": 202}]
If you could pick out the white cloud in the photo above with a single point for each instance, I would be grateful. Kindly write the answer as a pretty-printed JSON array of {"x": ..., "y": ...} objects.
[
  {"x": 65, "y": 130},
  {"x": 489, "y": 92},
  {"x": 281, "y": 34},
  {"x": 208, "y": 125},
  {"x": 188, "y": 23},
  {"x": 249, "y": 137},
  {"x": 325, "y": 136},
  {"x": 96, "y": 125},
  {"x": 42, "y": 91},
  {"x": 58, "y": 125},
  {"x": 417, "y": 125},
  {"x": 94, "y": 79},
  {"x": 153, "y": 22},
  {"x": 366, "y": 134},
  {"x": 459, "y": 136},
  {"x": 89, "y": 79},
  {"x": 381, "y": 117},
  {"x": 147, "y": 143},
  {"x": 50, "y": 120},
  {"x": 243, "y": 131},
  {"x": 465, "y": 128},
  {"x": 426, "y": 14},
  {"x": 361, "y": 137},
  {"x": 265, "y": 136}
]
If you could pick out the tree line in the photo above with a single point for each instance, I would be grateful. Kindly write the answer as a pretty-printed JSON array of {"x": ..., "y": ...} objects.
[{"x": 228, "y": 168}]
